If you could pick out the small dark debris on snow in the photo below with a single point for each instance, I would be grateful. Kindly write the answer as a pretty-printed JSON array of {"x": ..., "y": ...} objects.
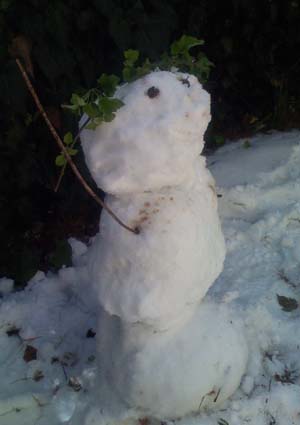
[
  {"x": 272, "y": 419},
  {"x": 69, "y": 359},
  {"x": 30, "y": 353},
  {"x": 285, "y": 279},
  {"x": 13, "y": 331},
  {"x": 54, "y": 360},
  {"x": 74, "y": 383},
  {"x": 91, "y": 359},
  {"x": 287, "y": 304},
  {"x": 217, "y": 395},
  {"x": 222, "y": 421},
  {"x": 288, "y": 377},
  {"x": 38, "y": 375},
  {"x": 269, "y": 355},
  {"x": 55, "y": 389},
  {"x": 153, "y": 92},
  {"x": 185, "y": 81},
  {"x": 90, "y": 333}
]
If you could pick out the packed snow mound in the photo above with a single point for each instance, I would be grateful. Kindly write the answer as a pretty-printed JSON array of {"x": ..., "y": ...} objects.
[
  {"x": 150, "y": 284},
  {"x": 56, "y": 314},
  {"x": 155, "y": 136},
  {"x": 158, "y": 276},
  {"x": 169, "y": 375}
]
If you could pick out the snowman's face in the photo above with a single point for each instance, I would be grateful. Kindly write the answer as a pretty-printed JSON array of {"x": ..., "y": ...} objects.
[{"x": 155, "y": 137}]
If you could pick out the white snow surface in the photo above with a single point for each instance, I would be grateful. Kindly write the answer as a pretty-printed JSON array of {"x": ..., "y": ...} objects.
[
  {"x": 153, "y": 141},
  {"x": 172, "y": 201},
  {"x": 159, "y": 276},
  {"x": 6, "y": 286},
  {"x": 150, "y": 285},
  {"x": 57, "y": 314}
]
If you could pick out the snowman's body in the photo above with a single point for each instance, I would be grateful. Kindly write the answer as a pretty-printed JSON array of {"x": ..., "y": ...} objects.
[{"x": 160, "y": 350}]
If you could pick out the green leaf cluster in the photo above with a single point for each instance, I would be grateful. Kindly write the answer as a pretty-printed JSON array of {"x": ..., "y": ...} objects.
[
  {"x": 182, "y": 59},
  {"x": 97, "y": 103},
  {"x": 179, "y": 58},
  {"x": 61, "y": 160}
]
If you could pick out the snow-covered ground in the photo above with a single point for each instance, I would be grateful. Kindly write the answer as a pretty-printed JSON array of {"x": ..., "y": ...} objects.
[{"x": 48, "y": 370}]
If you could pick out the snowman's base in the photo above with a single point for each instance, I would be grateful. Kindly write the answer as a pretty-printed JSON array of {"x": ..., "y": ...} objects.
[{"x": 167, "y": 375}]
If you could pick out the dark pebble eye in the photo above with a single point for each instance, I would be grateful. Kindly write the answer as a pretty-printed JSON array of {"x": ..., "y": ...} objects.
[{"x": 152, "y": 92}]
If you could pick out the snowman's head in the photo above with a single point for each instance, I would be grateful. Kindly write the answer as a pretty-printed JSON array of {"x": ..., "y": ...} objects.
[{"x": 155, "y": 137}]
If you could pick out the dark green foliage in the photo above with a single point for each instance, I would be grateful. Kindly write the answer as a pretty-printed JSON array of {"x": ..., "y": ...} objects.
[
  {"x": 254, "y": 46},
  {"x": 98, "y": 103}
]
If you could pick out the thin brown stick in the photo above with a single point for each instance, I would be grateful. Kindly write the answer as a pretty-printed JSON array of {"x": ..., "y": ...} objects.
[
  {"x": 217, "y": 396},
  {"x": 65, "y": 152},
  {"x": 62, "y": 171}
]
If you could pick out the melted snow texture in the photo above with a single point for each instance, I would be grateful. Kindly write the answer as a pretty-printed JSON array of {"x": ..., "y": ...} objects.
[
  {"x": 169, "y": 374},
  {"x": 159, "y": 276},
  {"x": 150, "y": 285},
  {"x": 261, "y": 225},
  {"x": 153, "y": 141}
]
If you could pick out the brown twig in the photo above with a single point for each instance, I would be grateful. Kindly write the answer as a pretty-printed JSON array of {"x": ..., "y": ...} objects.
[
  {"x": 217, "y": 395},
  {"x": 65, "y": 152},
  {"x": 62, "y": 172}
]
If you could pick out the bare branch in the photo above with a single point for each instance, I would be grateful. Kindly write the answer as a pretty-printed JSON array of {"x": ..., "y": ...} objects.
[
  {"x": 62, "y": 172},
  {"x": 65, "y": 152}
]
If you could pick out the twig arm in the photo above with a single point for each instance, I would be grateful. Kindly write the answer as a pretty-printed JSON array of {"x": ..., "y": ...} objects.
[{"x": 65, "y": 152}]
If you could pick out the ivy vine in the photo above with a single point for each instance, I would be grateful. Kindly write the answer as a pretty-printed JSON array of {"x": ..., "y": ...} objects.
[{"x": 99, "y": 104}]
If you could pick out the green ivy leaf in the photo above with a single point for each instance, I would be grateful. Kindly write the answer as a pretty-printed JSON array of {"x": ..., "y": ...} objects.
[
  {"x": 128, "y": 74},
  {"x": 72, "y": 151},
  {"x": 94, "y": 123},
  {"x": 68, "y": 138},
  {"x": 108, "y": 83},
  {"x": 91, "y": 109},
  {"x": 91, "y": 126},
  {"x": 131, "y": 56},
  {"x": 60, "y": 160},
  {"x": 77, "y": 100},
  {"x": 144, "y": 69},
  {"x": 108, "y": 107},
  {"x": 184, "y": 44}
]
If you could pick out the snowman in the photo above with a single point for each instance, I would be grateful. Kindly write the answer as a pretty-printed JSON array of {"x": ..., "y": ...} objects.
[{"x": 163, "y": 350}]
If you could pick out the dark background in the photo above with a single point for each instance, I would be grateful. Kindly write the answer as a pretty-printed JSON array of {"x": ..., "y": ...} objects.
[{"x": 66, "y": 44}]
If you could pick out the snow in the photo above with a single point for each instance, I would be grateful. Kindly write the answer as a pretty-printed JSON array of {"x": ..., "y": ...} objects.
[
  {"x": 150, "y": 285},
  {"x": 171, "y": 200},
  {"x": 165, "y": 133},
  {"x": 156, "y": 277},
  {"x": 6, "y": 286},
  {"x": 57, "y": 314},
  {"x": 167, "y": 374}
]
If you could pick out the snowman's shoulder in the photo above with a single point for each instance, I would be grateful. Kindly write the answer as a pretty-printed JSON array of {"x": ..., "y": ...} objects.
[{"x": 202, "y": 173}]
